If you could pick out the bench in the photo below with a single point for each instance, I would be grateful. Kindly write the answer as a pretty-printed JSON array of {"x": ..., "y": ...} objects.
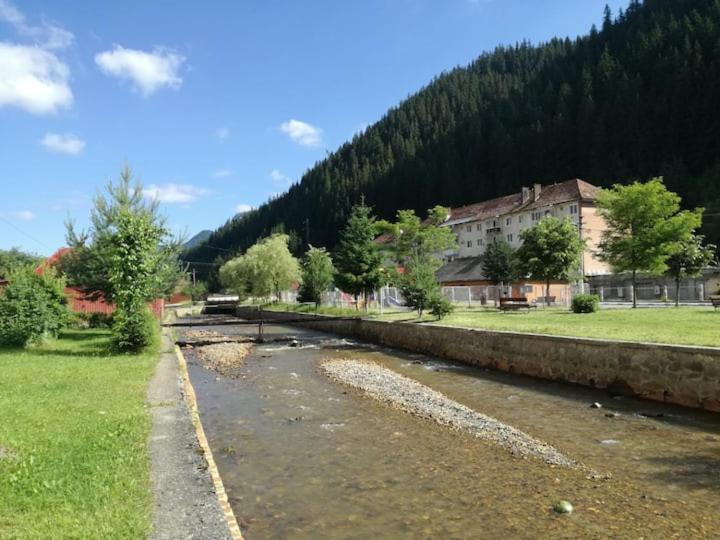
[
  {"x": 513, "y": 304},
  {"x": 715, "y": 301}
]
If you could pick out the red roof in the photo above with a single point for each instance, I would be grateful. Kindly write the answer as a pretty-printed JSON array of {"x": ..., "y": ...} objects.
[
  {"x": 52, "y": 260},
  {"x": 571, "y": 190}
]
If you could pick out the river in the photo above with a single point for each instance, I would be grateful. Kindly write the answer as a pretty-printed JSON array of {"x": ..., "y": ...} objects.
[{"x": 304, "y": 457}]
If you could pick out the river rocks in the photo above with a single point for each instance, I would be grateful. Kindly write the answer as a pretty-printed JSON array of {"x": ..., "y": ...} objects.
[
  {"x": 410, "y": 396},
  {"x": 596, "y": 405},
  {"x": 225, "y": 358},
  {"x": 563, "y": 507}
]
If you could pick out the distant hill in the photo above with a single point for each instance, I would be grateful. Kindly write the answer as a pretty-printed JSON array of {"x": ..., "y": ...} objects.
[
  {"x": 633, "y": 99},
  {"x": 198, "y": 239}
]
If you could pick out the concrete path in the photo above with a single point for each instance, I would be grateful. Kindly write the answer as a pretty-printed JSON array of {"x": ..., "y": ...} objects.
[{"x": 186, "y": 505}]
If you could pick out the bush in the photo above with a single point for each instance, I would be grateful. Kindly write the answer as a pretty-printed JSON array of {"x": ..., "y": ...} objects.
[
  {"x": 134, "y": 330},
  {"x": 440, "y": 306},
  {"x": 585, "y": 303},
  {"x": 32, "y": 306}
]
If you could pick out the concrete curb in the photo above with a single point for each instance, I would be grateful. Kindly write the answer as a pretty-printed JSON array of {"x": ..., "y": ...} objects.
[{"x": 191, "y": 400}]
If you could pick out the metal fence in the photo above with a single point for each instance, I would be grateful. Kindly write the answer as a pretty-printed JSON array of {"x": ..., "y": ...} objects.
[{"x": 651, "y": 293}]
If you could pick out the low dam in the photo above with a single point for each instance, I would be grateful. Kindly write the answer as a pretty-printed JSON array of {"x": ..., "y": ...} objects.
[{"x": 303, "y": 456}]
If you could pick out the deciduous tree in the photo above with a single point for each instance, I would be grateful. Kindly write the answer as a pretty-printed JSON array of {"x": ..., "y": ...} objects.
[
  {"x": 266, "y": 268},
  {"x": 317, "y": 275},
  {"x": 689, "y": 260},
  {"x": 644, "y": 227},
  {"x": 550, "y": 250}
]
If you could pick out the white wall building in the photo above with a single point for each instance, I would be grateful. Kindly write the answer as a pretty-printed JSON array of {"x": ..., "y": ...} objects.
[{"x": 477, "y": 225}]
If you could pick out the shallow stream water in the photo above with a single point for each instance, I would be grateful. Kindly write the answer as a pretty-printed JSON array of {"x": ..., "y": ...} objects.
[{"x": 304, "y": 457}]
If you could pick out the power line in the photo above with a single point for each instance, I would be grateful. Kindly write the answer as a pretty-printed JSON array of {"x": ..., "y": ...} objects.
[{"x": 18, "y": 229}]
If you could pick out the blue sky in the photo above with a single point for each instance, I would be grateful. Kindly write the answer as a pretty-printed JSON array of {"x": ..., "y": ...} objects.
[{"x": 217, "y": 105}]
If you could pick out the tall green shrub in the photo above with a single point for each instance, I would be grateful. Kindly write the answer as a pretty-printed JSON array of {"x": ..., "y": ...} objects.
[
  {"x": 32, "y": 306},
  {"x": 131, "y": 272},
  {"x": 317, "y": 275}
]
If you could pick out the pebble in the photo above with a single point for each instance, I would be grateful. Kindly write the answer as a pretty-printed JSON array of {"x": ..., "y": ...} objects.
[
  {"x": 596, "y": 405},
  {"x": 563, "y": 507}
]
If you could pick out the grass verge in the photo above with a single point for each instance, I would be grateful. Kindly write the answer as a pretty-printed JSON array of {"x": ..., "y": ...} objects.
[
  {"x": 73, "y": 440},
  {"x": 682, "y": 326}
]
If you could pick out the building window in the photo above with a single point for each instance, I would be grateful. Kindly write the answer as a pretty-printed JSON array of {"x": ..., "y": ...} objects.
[
  {"x": 469, "y": 243},
  {"x": 478, "y": 227},
  {"x": 536, "y": 216},
  {"x": 508, "y": 221},
  {"x": 573, "y": 208},
  {"x": 520, "y": 219},
  {"x": 509, "y": 237},
  {"x": 479, "y": 242},
  {"x": 468, "y": 228}
]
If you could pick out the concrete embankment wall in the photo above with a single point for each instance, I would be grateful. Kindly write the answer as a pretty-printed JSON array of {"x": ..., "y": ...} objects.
[{"x": 688, "y": 376}]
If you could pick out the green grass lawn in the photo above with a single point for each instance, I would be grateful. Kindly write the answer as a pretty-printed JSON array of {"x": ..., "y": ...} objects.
[
  {"x": 684, "y": 325},
  {"x": 73, "y": 440}
]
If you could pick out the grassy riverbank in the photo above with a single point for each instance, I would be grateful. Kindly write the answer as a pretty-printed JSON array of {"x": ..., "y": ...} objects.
[
  {"x": 73, "y": 440},
  {"x": 684, "y": 325}
]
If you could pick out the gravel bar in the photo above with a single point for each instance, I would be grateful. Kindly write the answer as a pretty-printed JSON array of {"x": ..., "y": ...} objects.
[{"x": 410, "y": 396}]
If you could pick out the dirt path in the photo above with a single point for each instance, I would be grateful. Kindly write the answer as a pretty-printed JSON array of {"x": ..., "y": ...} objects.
[{"x": 186, "y": 505}]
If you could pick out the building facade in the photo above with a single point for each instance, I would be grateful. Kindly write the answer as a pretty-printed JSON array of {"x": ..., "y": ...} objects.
[{"x": 477, "y": 225}]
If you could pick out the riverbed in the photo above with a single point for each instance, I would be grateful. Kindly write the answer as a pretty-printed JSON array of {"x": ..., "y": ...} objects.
[{"x": 302, "y": 456}]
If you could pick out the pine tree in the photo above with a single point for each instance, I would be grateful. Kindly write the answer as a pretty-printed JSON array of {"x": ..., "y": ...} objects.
[{"x": 358, "y": 260}]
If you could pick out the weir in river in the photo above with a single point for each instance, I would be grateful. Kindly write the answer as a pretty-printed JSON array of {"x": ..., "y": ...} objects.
[{"x": 302, "y": 456}]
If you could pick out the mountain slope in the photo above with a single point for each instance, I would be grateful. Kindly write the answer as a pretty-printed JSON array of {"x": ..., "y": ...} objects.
[
  {"x": 198, "y": 239},
  {"x": 635, "y": 99}
]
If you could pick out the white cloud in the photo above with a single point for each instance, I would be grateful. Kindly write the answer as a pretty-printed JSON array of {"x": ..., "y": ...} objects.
[
  {"x": 148, "y": 71},
  {"x": 174, "y": 193},
  {"x": 33, "y": 79},
  {"x": 279, "y": 178},
  {"x": 302, "y": 133},
  {"x": 63, "y": 143},
  {"x": 242, "y": 208},
  {"x": 47, "y": 36},
  {"x": 222, "y": 134},
  {"x": 222, "y": 173},
  {"x": 24, "y": 215}
]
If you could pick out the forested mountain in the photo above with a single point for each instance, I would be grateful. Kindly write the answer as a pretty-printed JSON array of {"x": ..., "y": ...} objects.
[
  {"x": 637, "y": 98},
  {"x": 197, "y": 239}
]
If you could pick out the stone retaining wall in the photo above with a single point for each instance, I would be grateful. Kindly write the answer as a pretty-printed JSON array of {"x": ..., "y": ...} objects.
[{"x": 688, "y": 376}]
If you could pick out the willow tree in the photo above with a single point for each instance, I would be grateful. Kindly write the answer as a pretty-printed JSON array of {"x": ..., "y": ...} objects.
[{"x": 265, "y": 269}]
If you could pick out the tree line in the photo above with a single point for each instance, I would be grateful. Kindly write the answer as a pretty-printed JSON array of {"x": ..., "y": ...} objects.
[{"x": 633, "y": 99}]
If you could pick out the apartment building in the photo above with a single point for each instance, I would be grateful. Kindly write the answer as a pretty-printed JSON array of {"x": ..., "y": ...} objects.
[{"x": 477, "y": 225}]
